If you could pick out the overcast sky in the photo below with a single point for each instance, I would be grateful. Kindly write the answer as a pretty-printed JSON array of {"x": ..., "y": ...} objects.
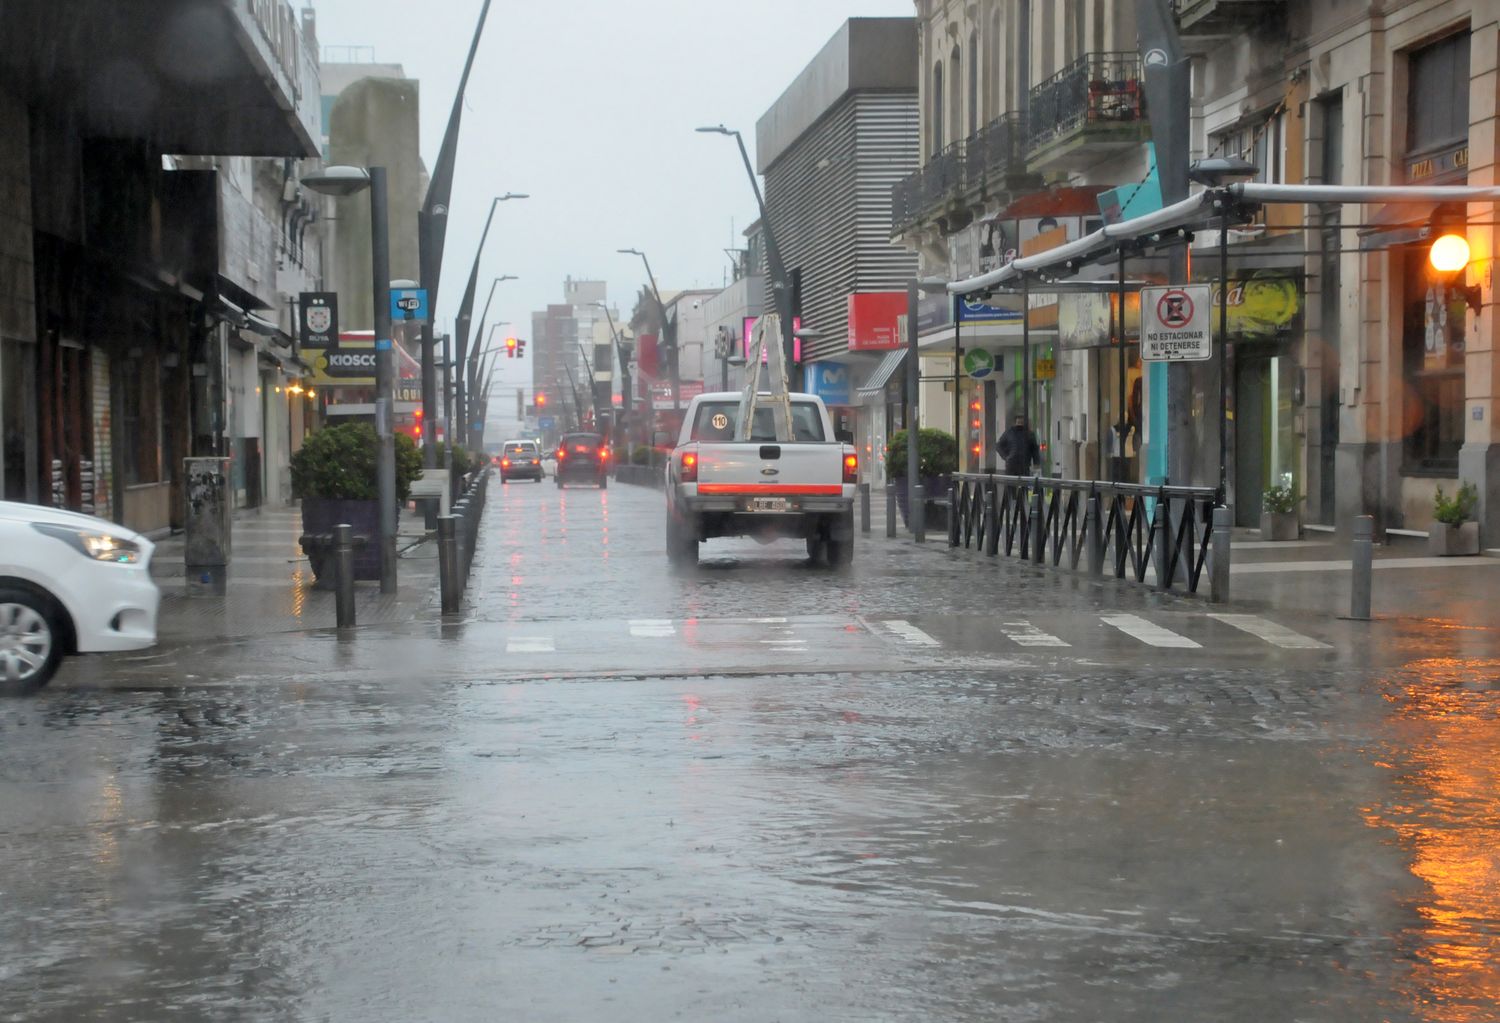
[{"x": 590, "y": 106}]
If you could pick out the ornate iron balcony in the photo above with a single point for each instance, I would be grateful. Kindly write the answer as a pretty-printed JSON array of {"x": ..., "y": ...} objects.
[{"x": 1097, "y": 92}]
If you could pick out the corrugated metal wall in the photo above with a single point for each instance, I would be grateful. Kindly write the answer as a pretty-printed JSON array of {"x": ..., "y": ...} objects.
[{"x": 829, "y": 201}]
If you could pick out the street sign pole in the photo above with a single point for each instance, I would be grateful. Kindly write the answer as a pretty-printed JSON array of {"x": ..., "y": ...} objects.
[{"x": 385, "y": 378}]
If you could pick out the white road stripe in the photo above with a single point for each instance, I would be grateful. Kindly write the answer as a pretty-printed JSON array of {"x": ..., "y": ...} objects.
[
  {"x": 1276, "y": 635},
  {"x": 909, "y": 633},
  {"x": 530, "y": 645},
  {"x": 1148, "y": 632},
  {"x": 652, "y": 628},
  {"x": 1026, "y": 634}
]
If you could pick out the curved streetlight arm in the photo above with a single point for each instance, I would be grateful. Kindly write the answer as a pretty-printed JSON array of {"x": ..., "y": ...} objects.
[{"x": 781, "y": 286}]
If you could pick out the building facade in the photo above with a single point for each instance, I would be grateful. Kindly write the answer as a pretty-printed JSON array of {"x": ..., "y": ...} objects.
[
  {"x": 114, "y": 315},
  {"x": 831, "y": 148}
]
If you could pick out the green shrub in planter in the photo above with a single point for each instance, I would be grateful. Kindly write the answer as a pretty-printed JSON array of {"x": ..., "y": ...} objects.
[
  {"x": 640, "y": 454},
  {"x": 463, "y": 462},
  {"x": 937, "y": 453},
  {"x": 1282, "y": 500},
  {"x": 1458, "y": 509},
  {"x": 340, "y": 462}
]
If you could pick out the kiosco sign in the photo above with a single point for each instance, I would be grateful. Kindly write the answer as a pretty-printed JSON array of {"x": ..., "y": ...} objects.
[{"x": 1175, "y": 323}]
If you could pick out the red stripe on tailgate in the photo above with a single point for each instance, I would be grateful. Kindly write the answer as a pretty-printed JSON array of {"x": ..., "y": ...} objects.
[{"x": 770, "y": 489}]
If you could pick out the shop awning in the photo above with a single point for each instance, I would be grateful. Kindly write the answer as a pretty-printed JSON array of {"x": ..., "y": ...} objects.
[{"x": 894, "y": 360}]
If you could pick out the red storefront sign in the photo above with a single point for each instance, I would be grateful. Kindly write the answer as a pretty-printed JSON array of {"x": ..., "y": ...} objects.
[{"x": 873, "y": 318}]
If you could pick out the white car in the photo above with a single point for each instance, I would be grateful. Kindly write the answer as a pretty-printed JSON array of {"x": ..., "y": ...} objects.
[{"x": 69, "y": 584}]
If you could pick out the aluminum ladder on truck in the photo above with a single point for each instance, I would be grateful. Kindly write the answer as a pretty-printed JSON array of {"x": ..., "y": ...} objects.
[{"x": 766, "y": 352}]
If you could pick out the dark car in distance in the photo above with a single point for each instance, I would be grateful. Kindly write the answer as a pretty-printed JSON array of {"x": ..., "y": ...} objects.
[
  {"x": 521, "y": 460},
  {"x": 583, "y": 458}
]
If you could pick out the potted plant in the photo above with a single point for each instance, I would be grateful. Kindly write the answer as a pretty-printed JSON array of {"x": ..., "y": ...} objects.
[
  {"x": 334, "y": 475},
  {"x": 1278, "y": 513},
  {"x": 1454, "y": 532},
  {"x": 937, "y": 460}
]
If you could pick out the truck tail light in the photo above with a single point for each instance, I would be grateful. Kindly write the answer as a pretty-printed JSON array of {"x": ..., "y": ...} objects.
[
  {"x": 689, "y": 467},
  {"x": 851, "y": 468},
  {"x": 505, "y": 463},
  {"x": 562, "y": 453},
  {"x": 604, "y": 454}
]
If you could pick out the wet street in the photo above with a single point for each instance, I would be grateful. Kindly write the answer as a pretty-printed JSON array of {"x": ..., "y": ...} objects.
[{"x": 932, "y": 787}]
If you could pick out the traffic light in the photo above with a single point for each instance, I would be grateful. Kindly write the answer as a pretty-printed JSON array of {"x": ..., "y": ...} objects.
[
  {"x": 541, "y": 400},
  {"x": 510, "y": 348},
  {"x": 520, "y": 348}
]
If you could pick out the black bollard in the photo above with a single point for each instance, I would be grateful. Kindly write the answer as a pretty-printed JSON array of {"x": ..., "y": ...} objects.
[{"x": 343, "y": 559}]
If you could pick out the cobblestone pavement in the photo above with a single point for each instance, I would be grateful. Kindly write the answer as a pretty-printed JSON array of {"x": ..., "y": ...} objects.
[{"x": 919, "y": 789}]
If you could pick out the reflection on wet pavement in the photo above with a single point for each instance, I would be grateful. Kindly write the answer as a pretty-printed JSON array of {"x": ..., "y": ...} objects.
[
  {"x": 759, "y": 791},
  {"x": 1444, "y": 806}
]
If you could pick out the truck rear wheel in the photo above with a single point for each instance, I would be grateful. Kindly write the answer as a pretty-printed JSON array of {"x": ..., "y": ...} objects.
[{"x": 682, "y": 543}]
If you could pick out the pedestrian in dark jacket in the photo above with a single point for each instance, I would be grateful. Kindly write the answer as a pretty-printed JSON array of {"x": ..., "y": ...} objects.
[{"x": 1018, "y": 448}]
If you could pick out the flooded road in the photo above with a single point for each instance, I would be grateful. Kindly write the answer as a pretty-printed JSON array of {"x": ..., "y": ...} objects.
[{"x": 755, "y": 792}]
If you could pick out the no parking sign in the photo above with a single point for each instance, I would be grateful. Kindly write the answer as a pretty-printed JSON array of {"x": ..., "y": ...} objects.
[{"x": 1176, "y": 323}]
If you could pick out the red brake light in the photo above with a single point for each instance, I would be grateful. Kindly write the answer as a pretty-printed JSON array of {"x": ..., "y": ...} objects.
[
  {"x": 562, "y": 453},
  {"x": 505, "y": 463},
  {"x": 689, "y": 467},
  {"x": 604, "y": 454},
  {"x": 851, "y": 468}
]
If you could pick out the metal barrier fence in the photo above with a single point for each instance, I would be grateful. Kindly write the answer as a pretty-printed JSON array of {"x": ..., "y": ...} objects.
[
  {"x": 1128, "y": 527},
  {"x": 458, "y": 535}
]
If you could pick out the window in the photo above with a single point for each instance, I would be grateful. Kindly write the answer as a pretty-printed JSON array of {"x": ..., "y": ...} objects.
[
  {"x": 716, "y": 423},
  {"x": 1437, "y": 98},
  {"x": 973, "y": 83},
  {"x": 1433, "y": 369},
  {"x": 935, "y": 122},
  {"x": 957, "y": 112},
  {"x": 140, "y": 420}
]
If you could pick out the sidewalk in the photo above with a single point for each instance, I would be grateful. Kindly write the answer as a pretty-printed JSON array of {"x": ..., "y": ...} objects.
[
  {"x": 270, "y": 585},
  {"x": 1312, "y": 575}
]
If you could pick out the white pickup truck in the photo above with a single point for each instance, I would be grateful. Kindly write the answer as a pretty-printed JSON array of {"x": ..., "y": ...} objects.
[{"x": 760, "y": 487}]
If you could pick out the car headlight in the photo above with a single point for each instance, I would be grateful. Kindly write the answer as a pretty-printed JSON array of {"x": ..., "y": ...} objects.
[{"x": 93, "y": 544}]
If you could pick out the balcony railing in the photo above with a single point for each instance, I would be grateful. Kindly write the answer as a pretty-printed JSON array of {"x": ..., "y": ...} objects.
[
  {"x": 926, "y": 188},
  {"x": 995, "y": 150},
  {"x": 990, "y": 154},
  {"x": 1098, "y": 90}
]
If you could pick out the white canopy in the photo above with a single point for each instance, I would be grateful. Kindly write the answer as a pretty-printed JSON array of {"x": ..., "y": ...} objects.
[{"x": 1205, "y": 205}]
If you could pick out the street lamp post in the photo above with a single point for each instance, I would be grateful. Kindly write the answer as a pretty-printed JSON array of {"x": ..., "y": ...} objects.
[
  {"x": 432, "y": 231},
  {"x": 342, "y": 182},
  {"x": 661, "y": 309},
  {"x": 466, "y": 306},
  {"x": 469, "y": 360},
  {"x": 781, "y": 288},
  {"x": 1216, "y": 172}
]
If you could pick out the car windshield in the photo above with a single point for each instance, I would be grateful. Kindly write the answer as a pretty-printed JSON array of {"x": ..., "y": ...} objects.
[{"x": 716, "y": 422}]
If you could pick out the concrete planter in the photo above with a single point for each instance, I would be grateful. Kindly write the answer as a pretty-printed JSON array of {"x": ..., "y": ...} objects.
[
  {"x": 1279, "y": 526},
  {"x": 934, "y": 515},
  {"x": 321, "y": 514},
  {"x": 1452, "y": 541}
]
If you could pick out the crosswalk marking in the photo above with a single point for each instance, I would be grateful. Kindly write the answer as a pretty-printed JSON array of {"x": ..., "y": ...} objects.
[
  {"x": 1026, "y": 634},
  {"x": 653, "y": 628},
  {"x": 1276, "y": 635},
  {"x": 1149, "y": 633},
  {"x": 530, "y": 645},
  {"x": 909, "y": 633}
]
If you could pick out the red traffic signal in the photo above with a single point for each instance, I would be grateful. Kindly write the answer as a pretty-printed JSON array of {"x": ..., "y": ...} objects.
[{"x": 541, "y": 400}]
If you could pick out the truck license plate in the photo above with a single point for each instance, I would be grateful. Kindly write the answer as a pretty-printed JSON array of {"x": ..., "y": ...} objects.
[{"x": 768, "y": 504}]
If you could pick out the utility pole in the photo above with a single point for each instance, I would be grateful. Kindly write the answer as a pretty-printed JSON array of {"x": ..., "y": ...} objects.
[{"x": 1168, "y": 81}]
